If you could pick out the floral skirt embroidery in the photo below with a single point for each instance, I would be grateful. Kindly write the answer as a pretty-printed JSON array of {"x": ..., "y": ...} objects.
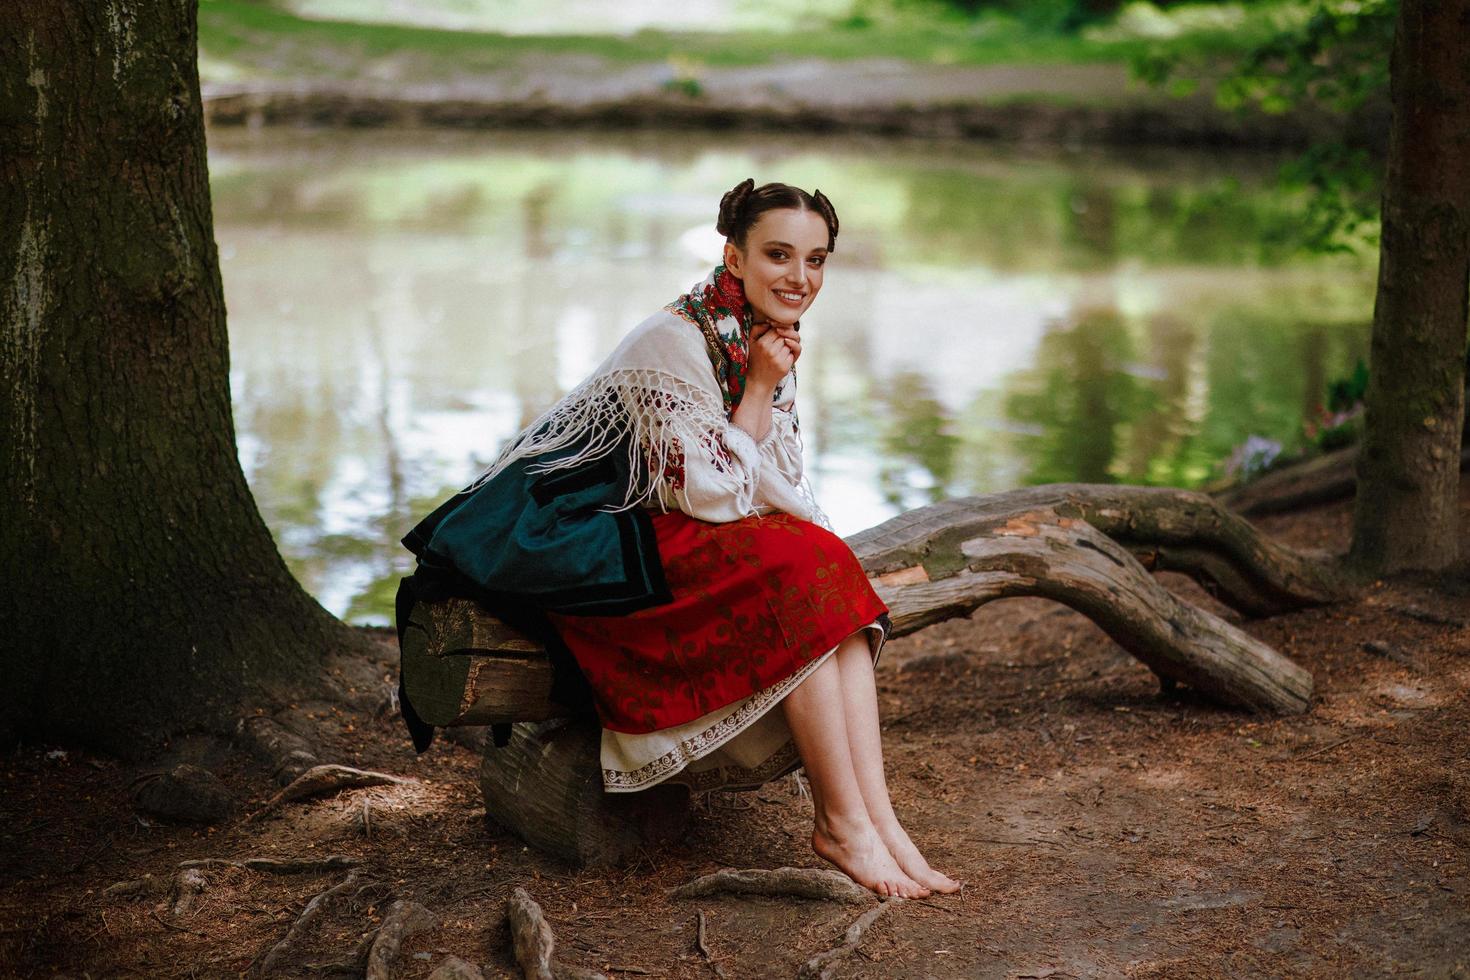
[
  {"x": 740, "y": 746},
  {"x": 755, "y": 602}
]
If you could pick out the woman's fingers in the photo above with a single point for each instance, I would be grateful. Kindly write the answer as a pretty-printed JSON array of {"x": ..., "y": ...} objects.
[
  {"x": 789, "y": 336},
  {"x": 770, "y": 358}
]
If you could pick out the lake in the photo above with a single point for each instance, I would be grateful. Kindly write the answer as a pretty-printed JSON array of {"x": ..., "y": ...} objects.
[{"x": 400, "y": 304}]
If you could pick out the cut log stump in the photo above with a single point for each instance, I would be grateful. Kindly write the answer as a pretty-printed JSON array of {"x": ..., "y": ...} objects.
[
  {"x": 545, "y": 786},
  {"x": 1089, "y": 546}
]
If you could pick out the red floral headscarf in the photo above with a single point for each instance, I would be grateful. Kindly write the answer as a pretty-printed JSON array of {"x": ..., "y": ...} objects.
[{"x": 717, "y": 306}]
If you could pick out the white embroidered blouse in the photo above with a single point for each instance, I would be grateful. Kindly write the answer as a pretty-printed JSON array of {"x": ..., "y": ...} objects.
[{"x": 684, "y": 451}]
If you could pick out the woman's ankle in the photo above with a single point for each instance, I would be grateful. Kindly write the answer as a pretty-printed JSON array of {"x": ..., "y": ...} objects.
[{"x": 843, "y": 827}]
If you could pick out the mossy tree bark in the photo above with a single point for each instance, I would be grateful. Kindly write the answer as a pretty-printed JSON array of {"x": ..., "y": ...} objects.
[
  {"x": 144, "y": 592},
  {"x": 1406, "y": 510}
]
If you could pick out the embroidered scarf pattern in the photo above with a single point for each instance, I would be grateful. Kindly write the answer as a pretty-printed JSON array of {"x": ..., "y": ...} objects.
[{"x": 718, "y": 308}]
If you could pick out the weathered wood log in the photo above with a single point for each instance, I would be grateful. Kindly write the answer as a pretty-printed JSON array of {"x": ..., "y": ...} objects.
[
  {"x": 545, "y": 786},
  {"x": 462, "y": 667},
  {"x": 1320, "y": 480},
  {"x": 1164, "y": 528},
  {"x": 1041, "y": 553}
]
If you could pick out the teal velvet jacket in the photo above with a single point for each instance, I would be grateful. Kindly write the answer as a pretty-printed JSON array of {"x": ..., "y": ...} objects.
[{"x": 522, "y": 544}]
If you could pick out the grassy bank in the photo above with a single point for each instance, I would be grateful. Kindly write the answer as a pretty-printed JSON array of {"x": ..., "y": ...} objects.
[{"x": 242, "y": 40}]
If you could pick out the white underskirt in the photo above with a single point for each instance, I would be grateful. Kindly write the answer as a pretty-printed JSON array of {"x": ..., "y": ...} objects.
[{"x": 739, "y": 746}]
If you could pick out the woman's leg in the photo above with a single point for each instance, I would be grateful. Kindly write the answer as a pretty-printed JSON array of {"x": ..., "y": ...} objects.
[
  {"x": 844, "y": 834},
  {"x": 860, "y": 707}
]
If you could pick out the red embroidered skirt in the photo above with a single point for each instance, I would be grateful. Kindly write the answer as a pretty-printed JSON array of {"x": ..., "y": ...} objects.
[{"x": 754, "y": 600}]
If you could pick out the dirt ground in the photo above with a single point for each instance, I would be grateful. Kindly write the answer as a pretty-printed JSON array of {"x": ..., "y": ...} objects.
[{"x": 1102, "y": 828}]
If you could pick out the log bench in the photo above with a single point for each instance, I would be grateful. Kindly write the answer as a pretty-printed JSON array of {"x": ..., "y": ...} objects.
[{"x": 1089, "y": 546}]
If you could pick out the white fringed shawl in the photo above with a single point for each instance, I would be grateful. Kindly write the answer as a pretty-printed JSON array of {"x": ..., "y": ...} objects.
[{"x": 665, "y": 395}]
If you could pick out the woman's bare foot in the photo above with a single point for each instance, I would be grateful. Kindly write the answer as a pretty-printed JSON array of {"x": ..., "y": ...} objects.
[
  {"x": 860, "y": 854},
  {"x": 896, "y": 839}
]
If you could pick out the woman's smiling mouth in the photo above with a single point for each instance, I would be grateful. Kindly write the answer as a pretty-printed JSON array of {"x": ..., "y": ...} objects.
[{"x": 793, "y": 298}]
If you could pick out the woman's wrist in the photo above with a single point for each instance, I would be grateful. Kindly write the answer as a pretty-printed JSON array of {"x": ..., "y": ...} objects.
[{"x": 754, "y": 413}]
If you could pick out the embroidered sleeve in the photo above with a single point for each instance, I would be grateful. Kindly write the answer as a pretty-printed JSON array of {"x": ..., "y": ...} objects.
[
  {"x": 712, "y": 473},
  {"x": 781, "y": 485},
  {"x": 697, "y": 461},
  {"x": 782, "y": 445}
]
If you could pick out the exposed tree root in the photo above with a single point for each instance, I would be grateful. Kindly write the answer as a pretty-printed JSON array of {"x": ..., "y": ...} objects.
[
  {"x": 1331, "y": 476},
  {"x": 184, "y": 794},
  {"x": 278, "y": 866},
  {"x": 820, "y": 884},
  {"x": 352, "y": 964},
  {"x": 1430, "y": 616},
  {"x": 703, "y": 947},
  {"x": 304, "y": 921},
  {"x": 136, "y": 888},
  {"x": 946, "y": 560},
  {"x": 530, "y": 935},
  {"x": 533, "y": 942},
  {"x": 176, "y": 928},
  {"x": 325, "y": 779},
  {"x": 454, "y": 968},
  {"x": 819, "y": 966},
  {"x": 288, "y": 754},
  {"x": 404, "y": 919},
  {"x": 188, "y": 886},
  {"x": 1390, "y": 652},
  {"x": 1164, "y": 528}
]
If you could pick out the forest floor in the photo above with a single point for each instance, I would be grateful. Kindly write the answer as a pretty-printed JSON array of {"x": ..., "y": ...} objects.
[{"x": 1102, "y": 828}]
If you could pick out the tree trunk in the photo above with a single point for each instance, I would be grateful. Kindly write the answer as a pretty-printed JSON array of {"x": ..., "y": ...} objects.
[
  {"x": 145, "y": 592},
  {"x": 1406, "y": 510}
]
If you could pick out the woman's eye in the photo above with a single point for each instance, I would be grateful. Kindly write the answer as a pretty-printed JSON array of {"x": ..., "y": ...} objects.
[
  {"x": 818, "y": 260},
  {"x": 778, "y": 254}
]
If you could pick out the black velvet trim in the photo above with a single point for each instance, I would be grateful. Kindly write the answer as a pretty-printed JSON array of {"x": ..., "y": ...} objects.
[{"x": 547, "y": 488}]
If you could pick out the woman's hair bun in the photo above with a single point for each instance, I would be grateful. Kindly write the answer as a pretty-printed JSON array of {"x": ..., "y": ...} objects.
[
  {"x": 731, "y": 204},
  {"x": 827, "y": 211},
  {"x": 743, "y": 205}
]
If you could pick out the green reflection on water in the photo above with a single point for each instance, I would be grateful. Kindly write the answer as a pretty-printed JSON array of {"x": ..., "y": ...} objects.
[{"x": 402, "y": 303}]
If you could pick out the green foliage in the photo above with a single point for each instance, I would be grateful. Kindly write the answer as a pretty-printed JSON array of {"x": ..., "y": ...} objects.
[
  {"x": 1332, "y": 54},
  {"x": 1037, "y": 15},
  {"x": 1340, "y": 422},
  {"x": 241, "y": 40},
  {"x": 1344, "y": 393}
]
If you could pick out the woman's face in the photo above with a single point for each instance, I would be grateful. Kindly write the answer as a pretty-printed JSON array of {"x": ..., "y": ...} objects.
[{"x": 781, "y": 264}]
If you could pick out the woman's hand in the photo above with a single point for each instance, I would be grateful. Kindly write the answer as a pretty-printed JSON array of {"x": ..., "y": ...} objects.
[{"x": 774, "y": 349}]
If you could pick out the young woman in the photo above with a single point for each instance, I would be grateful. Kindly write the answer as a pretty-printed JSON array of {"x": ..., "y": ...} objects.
[{"x": 659, "y": 519}]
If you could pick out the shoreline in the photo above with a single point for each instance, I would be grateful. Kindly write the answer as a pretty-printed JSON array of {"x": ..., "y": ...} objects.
[{"x": 964, "y": 104}]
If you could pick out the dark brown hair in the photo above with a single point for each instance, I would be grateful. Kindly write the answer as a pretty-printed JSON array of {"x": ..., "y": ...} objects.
[{"x": 742, "y": 206}]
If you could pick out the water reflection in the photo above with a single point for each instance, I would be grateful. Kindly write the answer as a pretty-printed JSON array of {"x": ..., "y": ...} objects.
[{"x": 401, "y": 304}]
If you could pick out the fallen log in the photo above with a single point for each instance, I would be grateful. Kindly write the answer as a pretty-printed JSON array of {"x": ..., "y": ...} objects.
[{"x": 1319, "y": 480}]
